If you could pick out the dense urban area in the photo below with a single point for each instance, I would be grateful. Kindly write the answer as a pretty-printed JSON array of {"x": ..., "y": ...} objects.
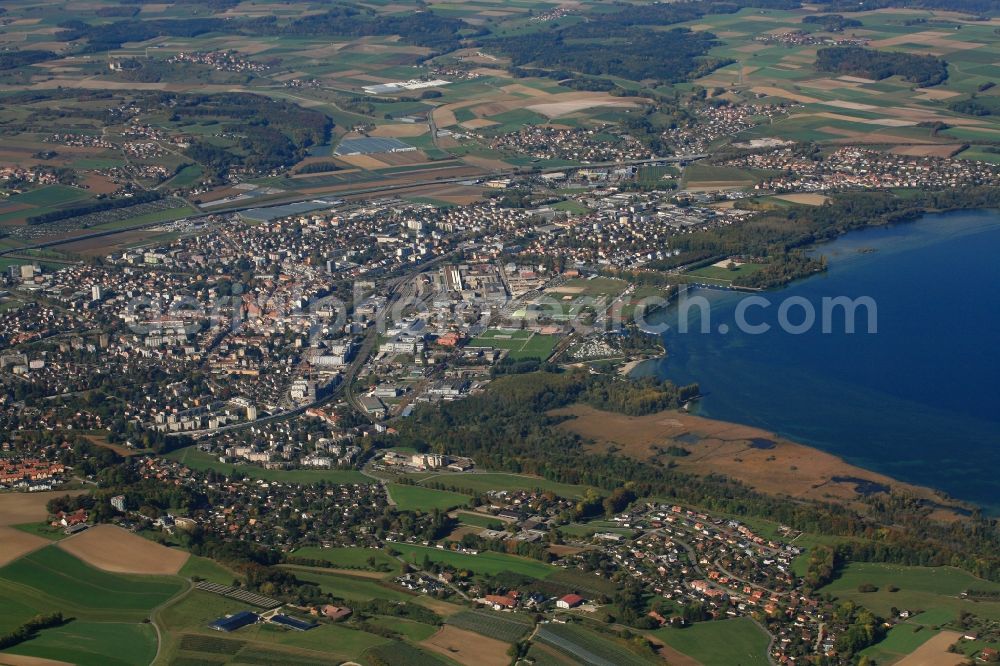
[{"x": 322, "y": 328}]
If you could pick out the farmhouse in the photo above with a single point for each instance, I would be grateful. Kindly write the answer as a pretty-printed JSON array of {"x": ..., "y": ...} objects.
[{"x": 570, "y": 601}]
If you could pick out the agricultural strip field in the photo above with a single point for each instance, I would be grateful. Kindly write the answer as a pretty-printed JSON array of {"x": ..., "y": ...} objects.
[
  {"x": 403, "y": 653},
  {"x": 200, "y": 460},
  {"x": 506, "y": 627},
  {"x": 588, "y": 647}
]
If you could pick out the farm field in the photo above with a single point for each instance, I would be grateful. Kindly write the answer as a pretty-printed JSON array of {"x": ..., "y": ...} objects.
[
  {"x": 55, "y": 577},
  {"x": 22, "y": 523},
  {"x": 901, "y": 640},
  {"x": 200, "y": 460},
  {"x": 919, "y": 588},
  {"x": 113, "y": 549},
  {"x": 505, "y": 627},
  {"x": 93, "y": 644},
  {"x": 485, "y": 562},
  {"x": 467, "y": 648},
  {"x": 845, "y": 110},
  {"x": 587, "y": 646},
  {"x": 417, "y": 498},
  {"x": 719, "y": 643},
  {"x": 403, "y": 653}
]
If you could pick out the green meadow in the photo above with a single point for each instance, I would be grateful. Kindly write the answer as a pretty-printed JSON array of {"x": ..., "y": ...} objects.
[
  {"x": 919, "y": 588},
  {"x": 720, "y": 642},
  {"x": 487, "y": 562}
]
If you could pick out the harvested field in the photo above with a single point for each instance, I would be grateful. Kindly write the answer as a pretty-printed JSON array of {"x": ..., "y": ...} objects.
[
  {"x": 758, "y": 458},
  {"x": 478, "y": 123},
  {"x": 881, "y": 122},
  {"x": 486, "y": 163},
  {"x": 467, "y": 647},
  {"x": 363, "y": 161},
  {"x": 556, "y": 109},
  {"x": 804, "y": 198},
  {"x": 15, "y": 543},
  {"x": 672, "y": 656},
  {"x": 404, "y": 158},
  {"x": 942, "y": 150},
  {"x": 936, "y": 93},
  {"x": 935, "y": 652},
  {"x": 17, "y": 508},
  {"x": 779, "y": 92},
  {"x": 519, "y": 88},
  {"x": 400, "y": 130},
  {"x": 114, "y": 549}
]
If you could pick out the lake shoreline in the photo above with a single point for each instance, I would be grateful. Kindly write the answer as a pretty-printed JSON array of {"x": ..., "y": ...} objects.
[
  {"x": 748, "y": 382},
  {"x": 763, "y": 460}
]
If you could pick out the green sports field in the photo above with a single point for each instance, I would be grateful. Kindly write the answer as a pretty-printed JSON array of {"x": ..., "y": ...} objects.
[{"x": 520, "y": 344}]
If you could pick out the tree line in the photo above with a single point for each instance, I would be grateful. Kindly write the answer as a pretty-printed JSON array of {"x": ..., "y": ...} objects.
[{"x": 922, "y": 70}]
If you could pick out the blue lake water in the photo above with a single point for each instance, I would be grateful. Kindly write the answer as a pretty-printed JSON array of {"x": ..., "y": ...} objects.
[{"x": 918, "y": 400}]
